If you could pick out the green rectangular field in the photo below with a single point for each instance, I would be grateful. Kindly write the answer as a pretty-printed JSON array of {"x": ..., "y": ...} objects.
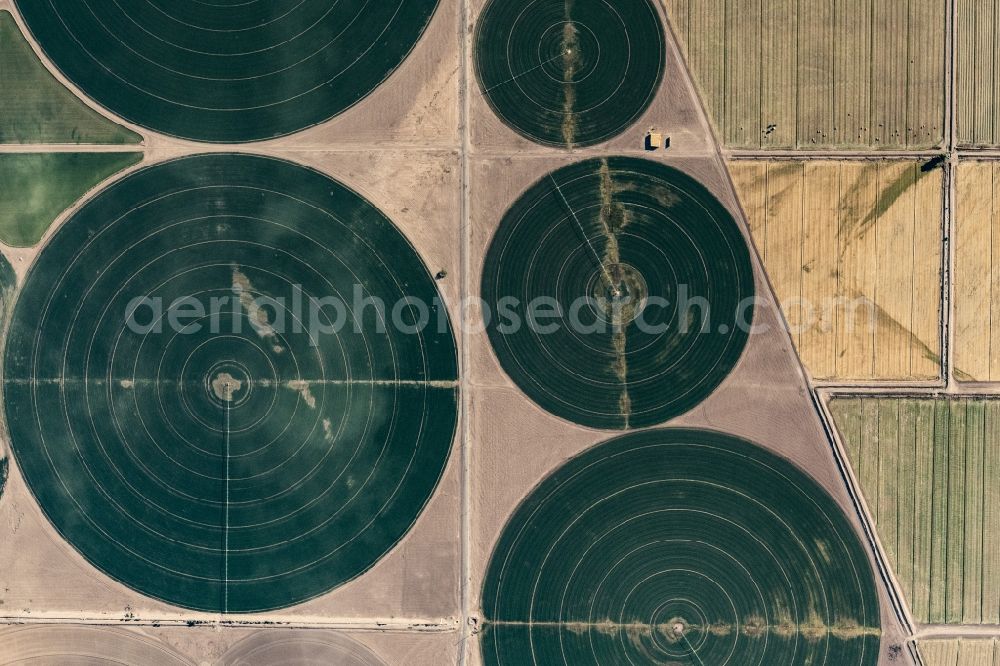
[{"x": 927, "y": 470}]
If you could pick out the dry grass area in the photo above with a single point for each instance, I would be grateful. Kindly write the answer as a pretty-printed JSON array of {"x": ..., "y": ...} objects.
[
  {"x": 823, "y": 73},
  {"x": 928, "y": 470},
  {"x": 978, "y": 66},
  {"x": 853, "y": 249},
  {"x": 960, "y": 652},
  {"x": 977, "y": 272}
]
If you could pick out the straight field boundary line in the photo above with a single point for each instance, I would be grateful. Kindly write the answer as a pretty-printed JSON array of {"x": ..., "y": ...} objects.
[
  {"x": 834, "y": 154},
  {"x": 466, "y": 626},
  {"x": 892, "y": 589},
  {"x": 853, "y": 486},
  {"x": 225, "y": 505},
  {"x": 393, "y": 625}
]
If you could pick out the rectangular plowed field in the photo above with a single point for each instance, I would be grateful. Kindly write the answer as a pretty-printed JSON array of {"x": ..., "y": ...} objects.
[
  {"x": 789, "y": 74},
  {"x": 853, "y": 250},
  {"x": 960, "y": 652},
  {"x": 928, "y": 470},
  {"x": 977, "y": 273},
  {"x": 977, "y": 92}
]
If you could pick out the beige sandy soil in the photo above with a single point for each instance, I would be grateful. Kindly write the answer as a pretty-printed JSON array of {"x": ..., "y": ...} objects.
[{"x": 230, "y": 646}]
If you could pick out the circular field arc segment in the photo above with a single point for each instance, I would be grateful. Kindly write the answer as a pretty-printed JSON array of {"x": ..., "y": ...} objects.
[
  {"x": 650, "y": 281},
  {"x": 300, "y": 648},
  {"x": 258, "y": 451},
  {"x": 227, "y": 72},
  {"x": 680, "y": 547},
  {"x": 568, "y": 73}
]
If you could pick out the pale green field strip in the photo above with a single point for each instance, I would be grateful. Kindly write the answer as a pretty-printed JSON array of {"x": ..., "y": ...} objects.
[
  {"x": 853, "y": 250},
  {"x": 960, "y": 652},
  {"x": 978, "y": 66},
  {"x": 37, "y": 108},
  {"x": 37, "y": 187},
  {"x": 928, "y": 471},
  {"x": 787, "y": 74}
]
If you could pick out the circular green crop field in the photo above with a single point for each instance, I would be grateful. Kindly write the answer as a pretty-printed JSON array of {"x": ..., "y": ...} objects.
[
  {"x": 198, "y": 401},
  {"x": 229, "y": 71},
  {"x": 679, "y": 547},
  {"x": 651, "y": 286},
  {"x": 569, "y": 72}
]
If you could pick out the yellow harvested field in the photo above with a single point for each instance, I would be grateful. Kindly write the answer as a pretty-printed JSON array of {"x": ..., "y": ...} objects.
[
  {"x": 977, "y": 272},
  {"x": 977, "y": 68},
  {"x": 824, "y": 73},
  {"x": 853, "y": 250},
  {"x": 960, "y": 652},
  {"x": 927, "y": 469}
]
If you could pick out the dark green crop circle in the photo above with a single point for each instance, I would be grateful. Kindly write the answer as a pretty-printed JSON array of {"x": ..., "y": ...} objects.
[
  {"x": 651, "y": 282},
  {"x": 186, "y": 438},
  {"x": 681, "y": 547},
  {"x": 569, "y": 72},
  {"x": 227, "y": 72}
]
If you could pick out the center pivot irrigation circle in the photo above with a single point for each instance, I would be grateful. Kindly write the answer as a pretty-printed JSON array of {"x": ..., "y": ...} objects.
[
  {"x": 679, "y": 547},
  {"x": 227, "y": 72},
  {"x": 569, "y": 72},
  {"x": 178, "y": 411},
  {"x": 649, "y": 279}
]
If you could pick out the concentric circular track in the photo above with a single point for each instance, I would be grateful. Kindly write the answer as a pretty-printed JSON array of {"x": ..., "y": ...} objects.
[
  {"x": 679, "y": 547},
  {"x": 569, "y": 72},
  {"x": 81, "y": 645},
  {"x": 227, "y": 71},
  {"x": 231, "y": 459},
  {"x": 653, "y": 282},
  {"x": 300, "y": 648}
]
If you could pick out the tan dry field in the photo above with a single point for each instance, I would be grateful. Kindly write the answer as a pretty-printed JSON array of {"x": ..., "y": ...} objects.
[
  {"x": 853, "y": 250},
  {"x": 928, "y": 469},
  {"x": 785, "y": 74},
  {"x": 977, "y": 68},
  {"x": 175, "y": 646},
  {"x": 960, "y": 652},
  {"x": 977, "y": 272}
]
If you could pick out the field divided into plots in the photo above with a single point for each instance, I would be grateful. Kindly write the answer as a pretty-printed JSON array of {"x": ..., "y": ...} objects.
[
  {"x": 823, "y": 73},
  {"x": 977, "y": 272},
  {"x": 960, "y": 652},
  {"x": 978, "y": 67},
  {"x": 928, "y": 469},
  {"x": 853, "y": 250}
]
